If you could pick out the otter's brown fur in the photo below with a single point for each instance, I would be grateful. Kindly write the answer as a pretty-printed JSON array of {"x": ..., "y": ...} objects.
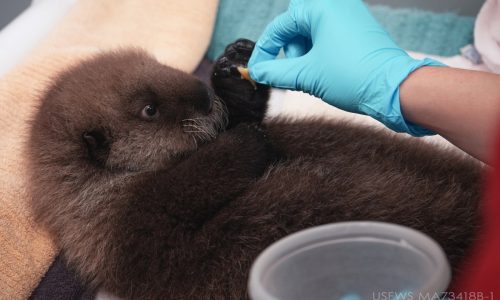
[{"x": 172, "y": 207}]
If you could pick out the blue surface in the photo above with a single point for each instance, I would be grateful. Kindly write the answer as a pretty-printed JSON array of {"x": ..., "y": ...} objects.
[{"x": 413, "y": 29}]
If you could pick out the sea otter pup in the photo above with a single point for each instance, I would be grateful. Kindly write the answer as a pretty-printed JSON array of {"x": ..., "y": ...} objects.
[{"x": 156, "y": 187}]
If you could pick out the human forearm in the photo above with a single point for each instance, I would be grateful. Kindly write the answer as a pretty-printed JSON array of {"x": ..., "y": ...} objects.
[{"x": 463, "y": 106}]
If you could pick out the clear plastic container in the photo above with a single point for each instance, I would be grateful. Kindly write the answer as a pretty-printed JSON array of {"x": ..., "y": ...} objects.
[{"x": 351, "y": 261}]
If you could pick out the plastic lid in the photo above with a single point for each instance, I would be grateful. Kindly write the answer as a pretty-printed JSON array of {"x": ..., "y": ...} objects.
[{"x": 351, "y": 260}]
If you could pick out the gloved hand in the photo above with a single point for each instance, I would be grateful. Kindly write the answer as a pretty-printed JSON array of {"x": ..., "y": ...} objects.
[{"x": 337, "y": 51}]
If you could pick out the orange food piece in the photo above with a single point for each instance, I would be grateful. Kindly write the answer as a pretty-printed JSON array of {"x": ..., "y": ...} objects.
[{"x": 246, "y": 75}]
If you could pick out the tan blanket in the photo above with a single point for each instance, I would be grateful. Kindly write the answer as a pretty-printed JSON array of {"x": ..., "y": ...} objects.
[{"x": 177, "y": 32}]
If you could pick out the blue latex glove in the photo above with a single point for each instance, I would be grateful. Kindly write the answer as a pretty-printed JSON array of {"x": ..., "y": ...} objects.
[{"x": 337, "y": 51}]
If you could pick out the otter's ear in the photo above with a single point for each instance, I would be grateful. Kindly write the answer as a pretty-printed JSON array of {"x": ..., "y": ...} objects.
[{"x": 97, "y": 143}]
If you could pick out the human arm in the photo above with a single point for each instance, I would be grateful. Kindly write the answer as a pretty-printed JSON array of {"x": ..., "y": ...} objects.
[
  {"x": 335, "y": 50},
  {"x": 462, "y": 106}
]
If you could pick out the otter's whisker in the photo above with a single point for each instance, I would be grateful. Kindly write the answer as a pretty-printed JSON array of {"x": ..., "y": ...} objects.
[
  {"x": 194, "y": 126},
  {"x": 192, "y": 119},
  {"x": 193, "y": 131}
]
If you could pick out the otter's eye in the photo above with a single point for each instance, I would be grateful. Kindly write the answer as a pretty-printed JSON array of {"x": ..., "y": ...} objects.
[{"x": 149, "y": 112}]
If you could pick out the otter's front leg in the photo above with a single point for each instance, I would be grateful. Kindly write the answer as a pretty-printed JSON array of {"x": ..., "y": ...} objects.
[
  {"x": 156, "y": 253},
  {"x": 213, "y": 175},
  {"x": 245, "y": 101}
]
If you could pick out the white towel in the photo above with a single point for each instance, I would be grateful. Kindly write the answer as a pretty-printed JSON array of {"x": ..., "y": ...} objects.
[{"x": 487, "y": 35}]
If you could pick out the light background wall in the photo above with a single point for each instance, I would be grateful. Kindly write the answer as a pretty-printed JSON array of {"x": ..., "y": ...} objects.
[{"x": 9, "y": 9}]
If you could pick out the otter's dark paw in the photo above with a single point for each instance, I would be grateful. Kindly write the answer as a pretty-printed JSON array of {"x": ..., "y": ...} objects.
[
  {"x": 235, "y": 55},
  {"x": 245, "y": 101}
]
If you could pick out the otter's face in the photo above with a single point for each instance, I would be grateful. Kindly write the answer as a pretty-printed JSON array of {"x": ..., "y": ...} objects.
[{"x": 126, "y": 111}]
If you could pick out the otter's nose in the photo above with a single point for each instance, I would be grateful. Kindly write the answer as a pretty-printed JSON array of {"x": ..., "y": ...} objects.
[
  {"x": 211, "y": 97},
  {"x": 202, "y": 97}
]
